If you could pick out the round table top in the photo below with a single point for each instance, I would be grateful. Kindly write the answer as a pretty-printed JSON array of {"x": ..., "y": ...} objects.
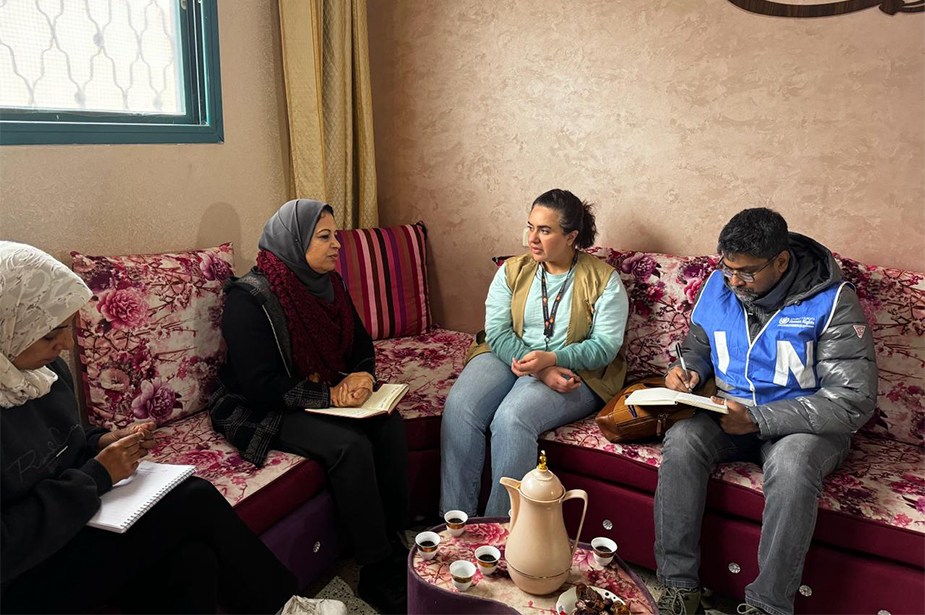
[{"x": 499, "y": 587}]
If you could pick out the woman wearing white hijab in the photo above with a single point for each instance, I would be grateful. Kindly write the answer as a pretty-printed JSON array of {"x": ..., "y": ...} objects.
[{"x": 53, "y": 472}]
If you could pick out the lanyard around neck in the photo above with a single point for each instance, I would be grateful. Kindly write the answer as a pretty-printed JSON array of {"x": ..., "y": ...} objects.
[{"x": 549, "y": 317}]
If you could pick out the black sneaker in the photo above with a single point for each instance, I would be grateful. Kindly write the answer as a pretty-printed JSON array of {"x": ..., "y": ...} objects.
[{"x": 384, "y": 586}]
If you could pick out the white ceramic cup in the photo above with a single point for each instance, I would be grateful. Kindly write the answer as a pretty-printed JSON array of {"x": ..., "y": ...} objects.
[
  {"x": 487, "y": 568},
  {"x": 604, "y": 550},
  {"x": 456, "y": 529},
  {"x": 427, "y": 552},
  {"x": 462, "y": 572}
]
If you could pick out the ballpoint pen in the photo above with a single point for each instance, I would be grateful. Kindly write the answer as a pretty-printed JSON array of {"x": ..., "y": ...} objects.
[{"x": 677, "y": 350}]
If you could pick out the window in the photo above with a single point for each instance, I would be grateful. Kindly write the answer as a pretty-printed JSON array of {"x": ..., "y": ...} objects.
[{"x": 109, "y": 71}]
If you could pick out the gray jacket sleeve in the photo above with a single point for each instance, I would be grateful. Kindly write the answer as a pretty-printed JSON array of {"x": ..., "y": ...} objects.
[{"x": 847, "y": 370}]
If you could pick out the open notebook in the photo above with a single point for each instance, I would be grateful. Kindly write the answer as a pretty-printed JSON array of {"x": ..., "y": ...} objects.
[
  {"x": 130, "y": 499},
  {"x": 663, "y": 397},
  {"x": 382, "y": 401}
]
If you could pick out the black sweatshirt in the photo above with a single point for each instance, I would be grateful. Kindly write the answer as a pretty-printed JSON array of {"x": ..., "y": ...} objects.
[
  {"x": 50, "y": 483},
  {"x": 255, "y": 369}
]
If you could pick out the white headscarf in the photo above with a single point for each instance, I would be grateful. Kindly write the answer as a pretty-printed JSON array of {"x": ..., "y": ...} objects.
[{"x": 37, "y": 293}]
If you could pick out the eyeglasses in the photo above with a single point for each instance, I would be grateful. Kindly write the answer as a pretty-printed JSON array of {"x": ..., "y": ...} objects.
[{"x": 745, "y": 276}]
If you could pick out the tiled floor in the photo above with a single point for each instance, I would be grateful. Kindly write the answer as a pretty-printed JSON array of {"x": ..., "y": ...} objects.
[{"x": 341, "y": 580}]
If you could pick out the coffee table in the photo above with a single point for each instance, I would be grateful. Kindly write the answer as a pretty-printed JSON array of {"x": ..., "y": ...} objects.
[{"x": 431, "y": 590}]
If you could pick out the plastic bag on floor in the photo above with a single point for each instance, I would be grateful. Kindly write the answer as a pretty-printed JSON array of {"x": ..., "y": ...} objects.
[{"x": 299, "y": 605}]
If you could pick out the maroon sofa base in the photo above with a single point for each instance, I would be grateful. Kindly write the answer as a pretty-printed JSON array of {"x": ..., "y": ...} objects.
[
  {"x": 841, "y": 581},
  {"x": 306, "y": 540}
]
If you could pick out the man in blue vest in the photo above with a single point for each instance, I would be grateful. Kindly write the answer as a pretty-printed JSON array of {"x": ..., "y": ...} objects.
[{"x": 793, "y": 358}]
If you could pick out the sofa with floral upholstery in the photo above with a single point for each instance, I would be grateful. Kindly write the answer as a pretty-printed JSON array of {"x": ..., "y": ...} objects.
[
  {"x": 868, "y": 551},
  {"x": 149, "y": 346}
]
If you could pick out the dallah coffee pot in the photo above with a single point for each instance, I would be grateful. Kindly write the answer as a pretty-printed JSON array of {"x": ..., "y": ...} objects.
[{"x": 539, "y": 551}]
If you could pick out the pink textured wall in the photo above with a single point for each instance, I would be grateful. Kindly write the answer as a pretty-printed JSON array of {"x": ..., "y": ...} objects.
[
  {"x": 123, "y": 199},
  {"x": 670, "y": 115}
]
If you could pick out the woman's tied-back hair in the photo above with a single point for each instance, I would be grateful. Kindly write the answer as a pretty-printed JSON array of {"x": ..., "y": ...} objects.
[
  {"x": 758, "y": 232},
  {"x": 574, "y": 215}
]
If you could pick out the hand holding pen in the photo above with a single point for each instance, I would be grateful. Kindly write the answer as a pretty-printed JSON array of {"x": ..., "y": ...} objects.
[{"x": 679, "y": 378}]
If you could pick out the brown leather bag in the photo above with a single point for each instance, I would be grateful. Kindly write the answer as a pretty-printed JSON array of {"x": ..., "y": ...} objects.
[{"x": 618, "y": 424}]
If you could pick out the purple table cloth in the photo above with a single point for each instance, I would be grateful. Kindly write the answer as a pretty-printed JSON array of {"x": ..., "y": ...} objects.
[{"x": 431, "y": 590}]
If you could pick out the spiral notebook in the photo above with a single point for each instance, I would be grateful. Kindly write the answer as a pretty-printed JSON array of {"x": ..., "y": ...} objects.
[{"x": 128, "y": 500}]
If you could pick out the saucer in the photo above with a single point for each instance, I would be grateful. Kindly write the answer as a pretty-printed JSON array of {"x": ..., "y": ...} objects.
[{"x": 565, "y": 605}]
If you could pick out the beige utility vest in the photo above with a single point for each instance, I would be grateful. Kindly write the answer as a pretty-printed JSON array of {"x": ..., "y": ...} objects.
[{"x": 590, "y": 278}]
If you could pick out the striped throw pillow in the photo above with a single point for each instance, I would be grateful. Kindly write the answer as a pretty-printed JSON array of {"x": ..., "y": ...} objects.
[{"x": 385, "y": 270}]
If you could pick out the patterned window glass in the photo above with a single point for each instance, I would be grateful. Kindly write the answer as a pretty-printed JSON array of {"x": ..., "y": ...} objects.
[{"x": 116, "y": 56}]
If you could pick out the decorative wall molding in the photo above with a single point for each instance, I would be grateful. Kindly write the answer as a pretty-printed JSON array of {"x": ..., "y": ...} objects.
[{"x": 781, "y": 9}]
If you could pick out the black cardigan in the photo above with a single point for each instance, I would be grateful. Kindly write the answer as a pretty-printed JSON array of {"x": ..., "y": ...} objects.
[
  {"x": 260, "y": 382},
  {"x": 50, "y": 483}
]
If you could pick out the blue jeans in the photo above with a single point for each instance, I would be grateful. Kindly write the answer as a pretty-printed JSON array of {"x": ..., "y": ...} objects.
[
  {"x": 794, "y": 467},
  {"x": 488, "y": 395}
]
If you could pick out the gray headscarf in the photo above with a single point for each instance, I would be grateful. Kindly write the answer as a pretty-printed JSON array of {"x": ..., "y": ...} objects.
[{"x": 287, "y": 235}]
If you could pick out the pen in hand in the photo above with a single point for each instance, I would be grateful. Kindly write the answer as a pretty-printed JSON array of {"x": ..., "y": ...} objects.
[{"x": 677, "y": 350}]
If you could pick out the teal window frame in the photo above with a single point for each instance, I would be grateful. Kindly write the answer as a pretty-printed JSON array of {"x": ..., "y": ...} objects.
[{"x": 203, "y": 90}]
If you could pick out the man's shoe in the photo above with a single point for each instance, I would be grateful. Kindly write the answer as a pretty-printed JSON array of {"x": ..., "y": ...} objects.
[
  {"x": 749, "y": 609},
  {"x": 677, "y": 601},
  {"x": 384, "y": 586}
]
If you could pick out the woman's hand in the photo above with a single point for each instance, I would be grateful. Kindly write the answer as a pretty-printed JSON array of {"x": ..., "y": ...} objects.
[
  {"x": 533, "y": 363},
  {"x": 121, "y": 457},
  {"x": 352, "y": 391},
  {"x": 560, "y": 379},
  {"x": 146, "y": 429}
]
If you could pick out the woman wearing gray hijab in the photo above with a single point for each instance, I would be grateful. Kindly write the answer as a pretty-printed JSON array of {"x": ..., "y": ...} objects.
[{"x": 295, "y": 341}]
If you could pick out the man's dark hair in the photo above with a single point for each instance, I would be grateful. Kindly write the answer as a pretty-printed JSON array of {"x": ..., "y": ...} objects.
[{"x": 758, "y": 232}]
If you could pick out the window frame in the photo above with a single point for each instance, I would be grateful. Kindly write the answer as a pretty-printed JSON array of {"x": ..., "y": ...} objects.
[{"x": 203, "y": 122}]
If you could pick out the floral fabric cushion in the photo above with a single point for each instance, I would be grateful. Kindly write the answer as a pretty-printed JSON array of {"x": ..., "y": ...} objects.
[
  {"x": 429, "y": 364},
  {"x": 894, "y": 303},
  {"x": 192, "y": 441},
  {"x": 385, "y": 270},
  {"x": 880, "y": 481},
  {"x": 661, "y": 290},
  {"x": 149, "y": 340}
]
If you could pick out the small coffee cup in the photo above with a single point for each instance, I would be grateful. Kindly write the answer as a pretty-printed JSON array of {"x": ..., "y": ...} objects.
[
  {"x": 456, "y": 522},
  {"x": 487, "y": 558},
  {"x": 604, "y": 550},
  {"x": 427, "y": 543},
  {"x": 462, "y": 572}
]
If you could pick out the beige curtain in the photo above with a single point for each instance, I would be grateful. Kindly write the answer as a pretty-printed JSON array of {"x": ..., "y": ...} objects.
[{"x": 326, "y": 68}]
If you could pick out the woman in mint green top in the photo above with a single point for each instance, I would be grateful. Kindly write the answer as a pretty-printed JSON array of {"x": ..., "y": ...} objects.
[{"x": 543, "y": 366}]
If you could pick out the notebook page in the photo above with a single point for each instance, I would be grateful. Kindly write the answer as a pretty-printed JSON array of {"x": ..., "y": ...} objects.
[
  {"x": 386, "y": 397},
  {"x": 381, "y": 399},
  {"x": 126, "y": 502},
  {"x": 652, "y": 396},
  {"x": 702, "y": 402}
]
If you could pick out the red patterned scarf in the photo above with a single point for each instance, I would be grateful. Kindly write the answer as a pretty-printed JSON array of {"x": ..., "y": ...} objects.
[{"x": 321, "y": 332}]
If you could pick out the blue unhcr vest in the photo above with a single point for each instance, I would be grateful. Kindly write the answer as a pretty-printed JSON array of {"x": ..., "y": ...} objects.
[{"x": 780, "y": 362}]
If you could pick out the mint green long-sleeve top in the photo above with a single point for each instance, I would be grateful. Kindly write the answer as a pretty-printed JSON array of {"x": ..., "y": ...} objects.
[{"x": 598, "y": 350}]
